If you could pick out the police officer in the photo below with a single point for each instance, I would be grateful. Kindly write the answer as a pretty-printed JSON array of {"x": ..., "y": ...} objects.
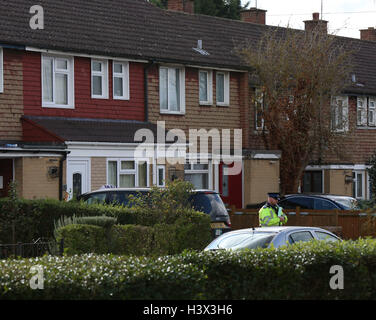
[{"x": 271, "y": 214}]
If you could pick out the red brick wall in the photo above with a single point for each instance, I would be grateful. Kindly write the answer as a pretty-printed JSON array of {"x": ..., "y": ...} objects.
[
  {"x": 85, "y": 106},
  {"x": 11, "y": 100}
]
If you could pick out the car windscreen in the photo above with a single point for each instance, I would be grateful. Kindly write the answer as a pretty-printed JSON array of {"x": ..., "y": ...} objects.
[
  {"x": 210, "y": 203},
  {"x": 249, "y": 240}
]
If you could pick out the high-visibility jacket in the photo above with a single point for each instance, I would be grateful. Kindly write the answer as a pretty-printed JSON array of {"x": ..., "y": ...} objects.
[{"x": 269, "y": 216}]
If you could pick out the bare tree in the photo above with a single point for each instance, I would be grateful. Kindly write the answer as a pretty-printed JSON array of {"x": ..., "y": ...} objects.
[{"x": 299, "y": 74}]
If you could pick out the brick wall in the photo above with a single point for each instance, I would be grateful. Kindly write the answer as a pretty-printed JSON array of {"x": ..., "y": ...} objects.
[
  {"x": 11, "y": 100},
  {"x": 98, "y": 172},
  {"x": 198, "y": 116}
]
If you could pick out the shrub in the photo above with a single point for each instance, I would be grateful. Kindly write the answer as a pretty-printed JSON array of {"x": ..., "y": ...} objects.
[
  {"x": 82, "y": 238},
  {"x": 295, "y": 272},
  {"x": 100, "y": 221},
  {"x": 132, "y": 240}
]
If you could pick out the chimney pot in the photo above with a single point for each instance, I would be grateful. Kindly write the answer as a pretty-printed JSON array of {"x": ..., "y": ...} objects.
[{"x": 316, "y": 16}]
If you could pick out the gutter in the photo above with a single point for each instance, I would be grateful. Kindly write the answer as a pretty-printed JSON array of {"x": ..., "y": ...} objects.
[{"x": 146, "y": 89}]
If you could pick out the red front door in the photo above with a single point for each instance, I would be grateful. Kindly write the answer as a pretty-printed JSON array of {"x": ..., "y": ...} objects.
[
  {"x": 230, "y": 187},
  {"x": 6, "y": 176}
]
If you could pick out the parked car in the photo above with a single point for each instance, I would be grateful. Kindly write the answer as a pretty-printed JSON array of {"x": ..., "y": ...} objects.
[
  {"x": 265, "y": 237},
  {"x": 314, "y": 202},
  {"x": 206, "y": 201}
]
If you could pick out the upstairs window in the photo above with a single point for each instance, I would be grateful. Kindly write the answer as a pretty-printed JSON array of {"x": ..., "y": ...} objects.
[
  {"x": 259, "y": 109},
  {"x": 172, "y": 90},
  {"x": 120, "y": 76},
  {"x": 57, "y": 82},
  {"x": 1, "y": 71},
  {"x": 223, "y": 88},
  {"x": 206, "y": 87},
  {"x": 99, "y": 79},
  {"x": 365, "y": 111},
  {"x": 340, "y": 113}
]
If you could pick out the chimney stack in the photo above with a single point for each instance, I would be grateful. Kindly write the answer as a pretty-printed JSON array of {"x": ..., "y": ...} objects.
[
  {"x": 181, "y": 5},
  {"x": 253, "y": 15},
  {"x": 316, "y": 24},
  {"x": 368, "y": 34}
]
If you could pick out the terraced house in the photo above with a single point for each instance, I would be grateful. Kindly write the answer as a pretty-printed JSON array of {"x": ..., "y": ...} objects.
[{"x": 74, "y": 94}]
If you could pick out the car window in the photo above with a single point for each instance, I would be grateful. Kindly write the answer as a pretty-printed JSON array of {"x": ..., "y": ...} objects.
[
  {"x": 293, "y": 202},
  {"x": 245, "y": 240},
  {"x": 300, "y": 236},
  {"x": 323, "y": 204},
  {"x": 325, "y": 236},
  {"x": 123, "y": 197},
  {"x": 210, "y": 203},
  {"x": 94, "y": 198},
  {"x": 232, "y": 240}
]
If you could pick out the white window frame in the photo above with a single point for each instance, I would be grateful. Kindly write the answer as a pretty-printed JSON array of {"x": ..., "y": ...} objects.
[
  {"x": 372, "y": 100},
  {"x": 345, "y": 113},
  {"x": 70, "y": 85},
  {"x": 181, "y": 87},
  {"x": 361, "y": 111},
  {"x": 207, "y": 171},
  {"x": 355, "y": 182},
  {"x": 226, "y": 88},
  {"x": 209, "y": 81},
  {"x": 134, "y": 171},
  {"x": 163, "y": 168},
  {"x": 104, "y": 76},
  {"x": 125, "y": 76},
  {"x": 259, "y": 100},
  {"x": 1, "y": 70}
]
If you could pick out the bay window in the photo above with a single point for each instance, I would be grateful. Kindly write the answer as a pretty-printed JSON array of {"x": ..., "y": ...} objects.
[
  {"x": 172, "y": 90},
  {"x": 57, "y": 82}
]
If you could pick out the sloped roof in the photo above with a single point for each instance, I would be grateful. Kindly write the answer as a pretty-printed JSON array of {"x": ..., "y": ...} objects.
[
  {"x": 136, "y": 29},
  {"x": 91, "y": 130}
]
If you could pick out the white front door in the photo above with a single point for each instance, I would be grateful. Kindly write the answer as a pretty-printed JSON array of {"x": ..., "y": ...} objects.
[{"x": 78, "y": 177}]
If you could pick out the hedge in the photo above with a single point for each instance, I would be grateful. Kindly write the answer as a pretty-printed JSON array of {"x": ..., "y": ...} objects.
[
  {"x": 190, "y": 231},
  {"x": 296, "y": 272}
]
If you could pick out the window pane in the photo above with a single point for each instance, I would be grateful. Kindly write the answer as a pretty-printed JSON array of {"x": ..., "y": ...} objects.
[
  {"x": 163, "y": 88},
  {"x": 220, "y": 87},
  {"x": 359, "y": 185},
  {"x": 174, "y": 89},
  {"x": 77, "y": 185},
  {"x": 199, "y": 180},
  {"x": 161, "y": 176},
  {"x": 127, "y": 181},
  {"x": 199, "y": 166},
  {"x": 118, "y": 68},
  {"x": 142, "y": 175},
  {"x": 61, "y": 88},
  {"x": 118, "y": 87},
  {"x": 203, "y": 86},
  {"x": 301, "y": 236},
  {"x": 127, "y": 165},
  {"x": 97, "y": 66},
  {"x": 97, "y": 85},
  {"x": 47, "y": 80},
  {"x": 61, "y": 64},
  {"x": 112, "y": 173}
]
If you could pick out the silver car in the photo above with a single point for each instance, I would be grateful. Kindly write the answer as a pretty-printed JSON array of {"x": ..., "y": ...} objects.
[{"x": 269, "y": 236}]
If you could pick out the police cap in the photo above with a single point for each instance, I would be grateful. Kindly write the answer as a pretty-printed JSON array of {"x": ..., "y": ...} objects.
[{"x": 274, "y": 195}]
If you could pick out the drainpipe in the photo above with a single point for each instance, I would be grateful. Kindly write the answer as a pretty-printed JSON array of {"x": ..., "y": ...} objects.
[
  {"x": 61, "y": 176},
  {"x": 146, "y": 89}
]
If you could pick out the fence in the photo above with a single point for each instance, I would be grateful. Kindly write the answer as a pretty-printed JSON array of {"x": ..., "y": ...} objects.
[
  {"x": 347, "y": 224},
  {"x": 37, "y": 248}
]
